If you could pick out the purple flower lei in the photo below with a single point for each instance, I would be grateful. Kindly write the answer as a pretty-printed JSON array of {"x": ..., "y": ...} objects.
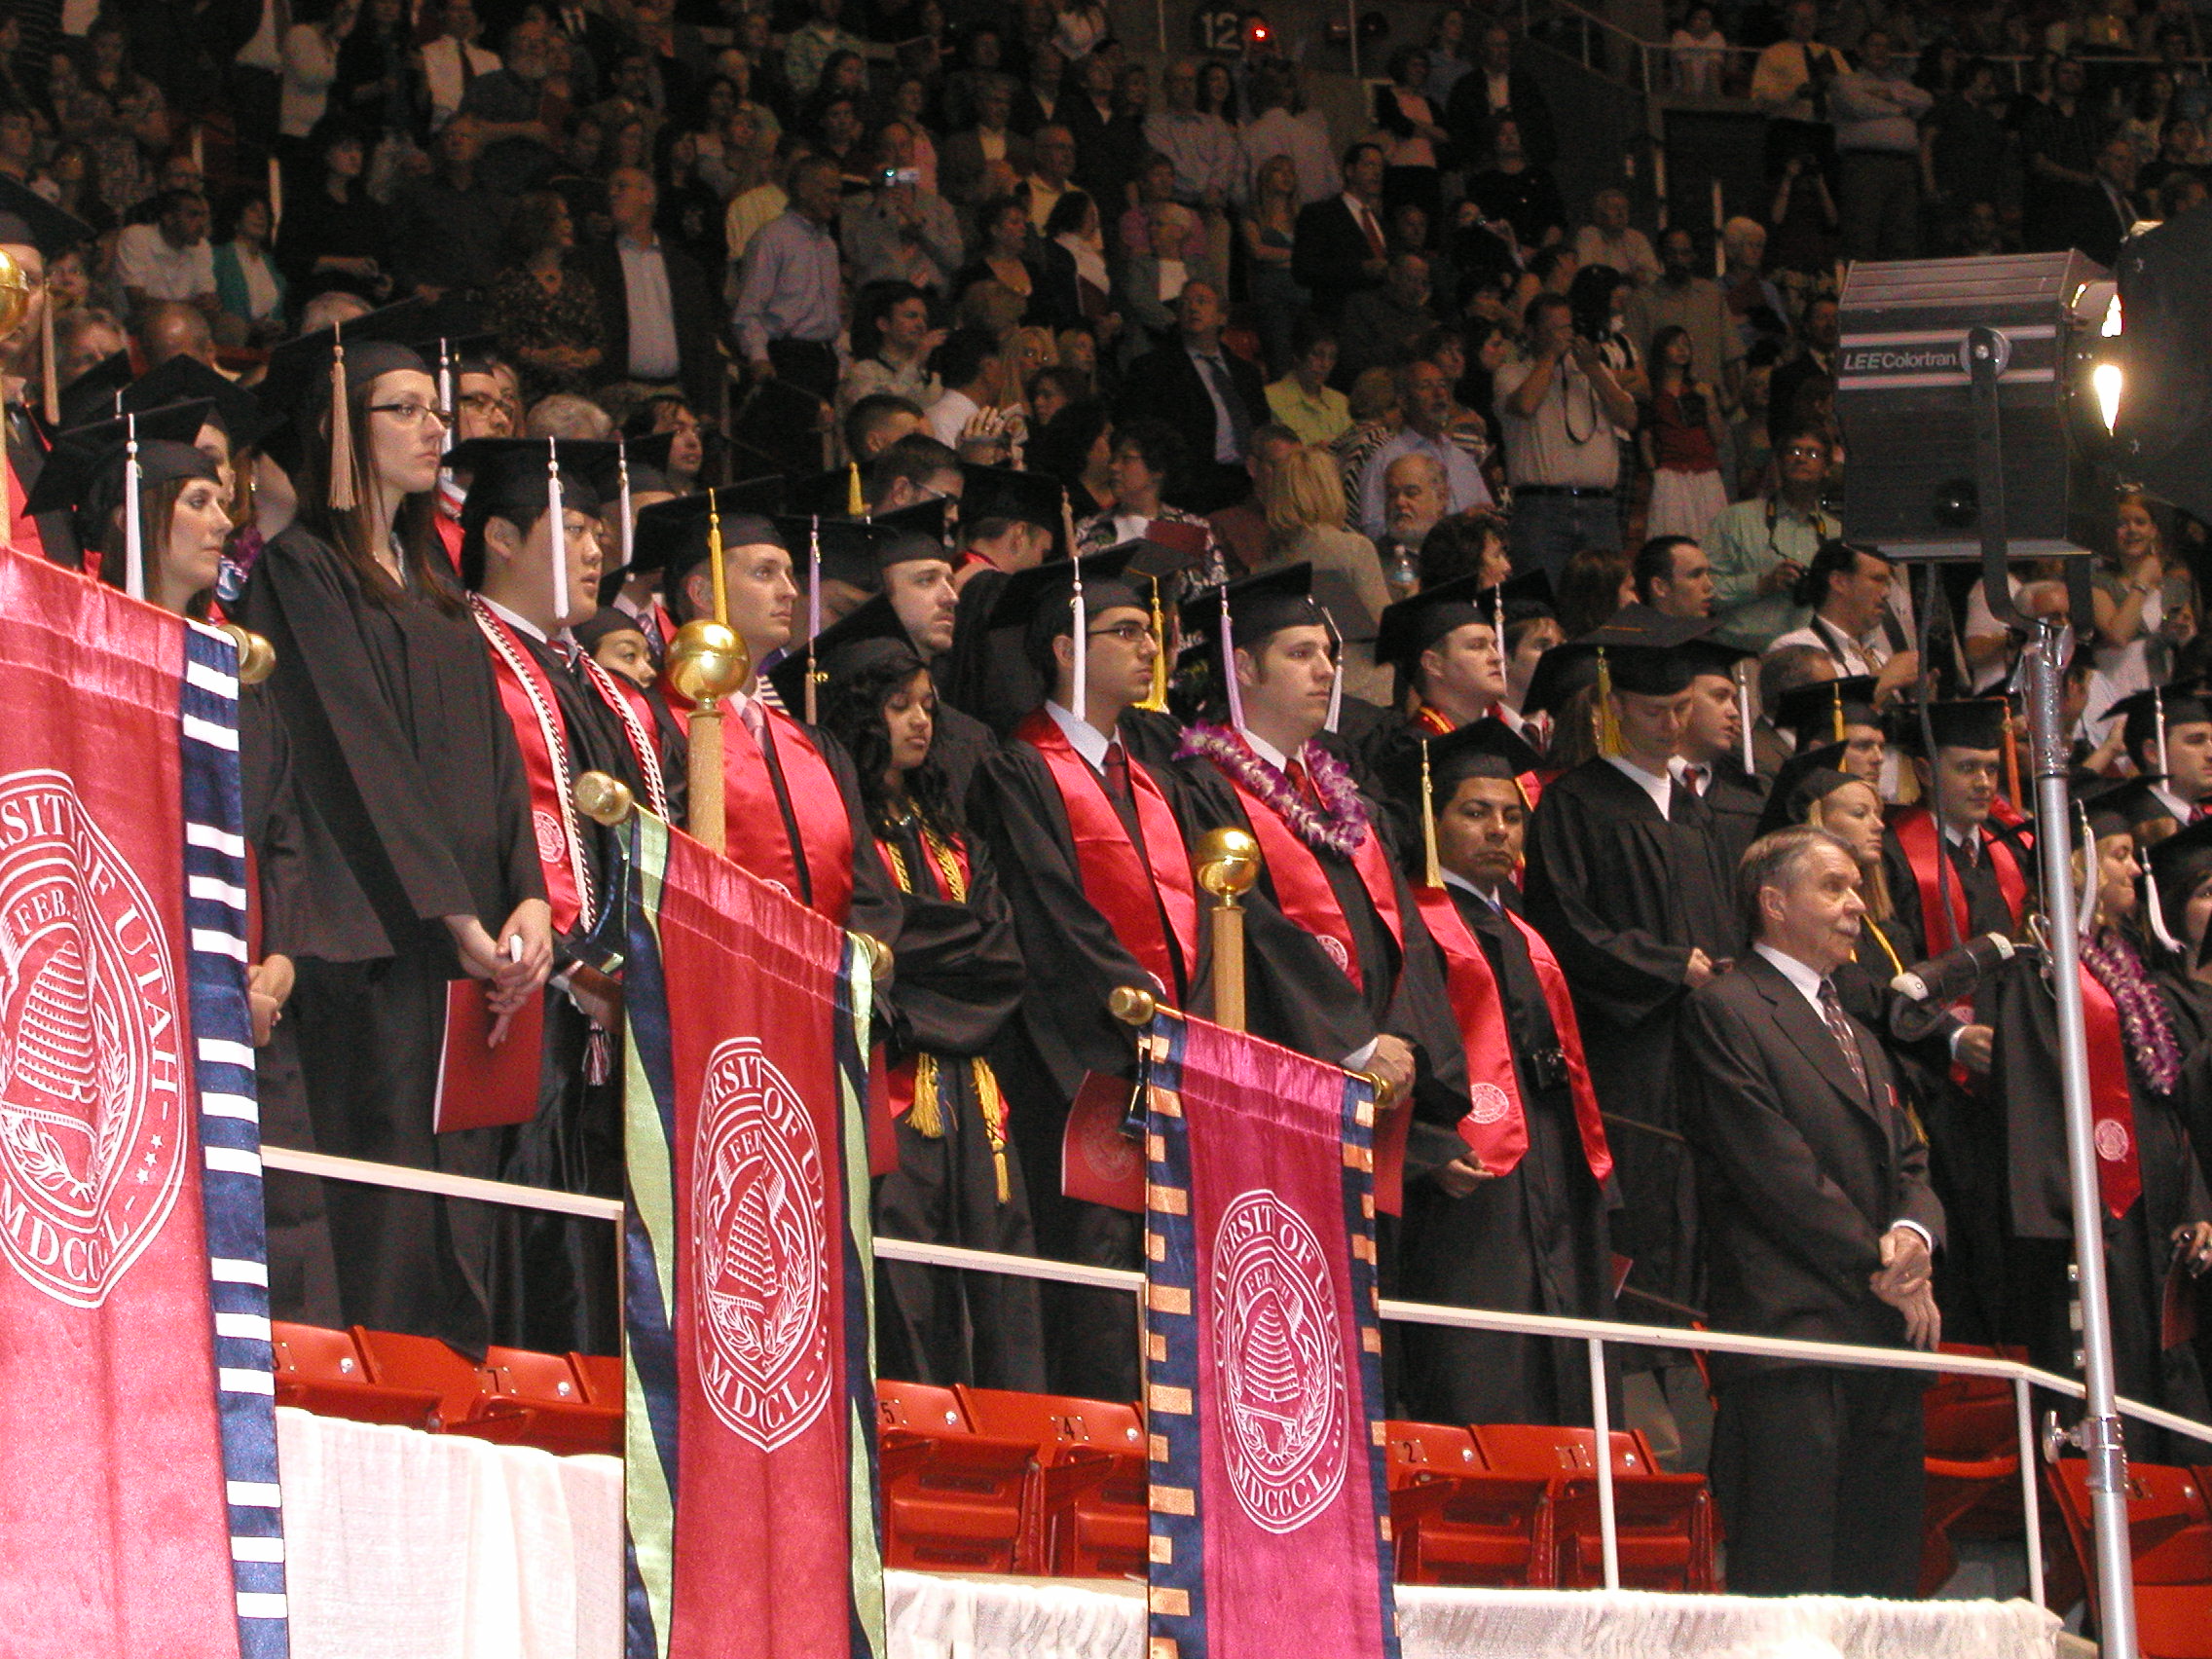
[
  {"x": 1340, "y": 829},
  {"x": 2152, "y": 1048}
]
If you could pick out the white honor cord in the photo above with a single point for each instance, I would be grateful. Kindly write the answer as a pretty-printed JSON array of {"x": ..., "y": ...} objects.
[
  {"x": 133, "y": 527},
  {"x": 559, "y": 534}
]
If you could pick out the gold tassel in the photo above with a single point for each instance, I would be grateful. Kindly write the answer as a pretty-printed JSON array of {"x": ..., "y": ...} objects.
[
  {"x": 856, "y": 504},
  {"x": 342, "y": 497},
  {"x": 1431, "y": 871},
  {"x": 926, "y": 1116},
  {"x": 1156, "y": 700},
  {"x": 993, "y": 1105},
  {"x": 1836, "y": 698},
  {"x": 2011, "y": 760},
  {"x": 52, "y": 374},
  {"x": 1609, "y": 724}
]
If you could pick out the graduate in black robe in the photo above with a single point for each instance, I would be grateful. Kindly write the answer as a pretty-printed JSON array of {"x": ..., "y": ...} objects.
[
  {"x": 1339, "y": 965},
  {"x": 1712, "y": 748},
  {"x": 1635, "y": 901},
  {"x": 958, "y": 1180},
  {"x": 35, "y": 233},
  {"x": 422, "y": 854},
  {"x": 2167, "y": 1227},
  {"x": 1443, "y": 644},
  {"x": 1532, "y": 1240},
  {"x": 556, "y": 1288},
  {"x": 1111, "y": 906}
]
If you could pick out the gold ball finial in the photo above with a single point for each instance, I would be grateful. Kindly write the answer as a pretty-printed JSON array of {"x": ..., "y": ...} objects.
[
  {"x": 604, "y": 799},
  {"x": 706, "y": 661},
  {"x": 1132, "y": 1005},
  {"x": 14, "y": 293},
  {"x": 257, "y": 657},
  {"x": 1227, "y": 862}
]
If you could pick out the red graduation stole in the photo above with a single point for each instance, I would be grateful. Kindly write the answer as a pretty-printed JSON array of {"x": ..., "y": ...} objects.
[
  {"x": 1496, "y": 1126},
  {"x": 449, "y": 535},
  {"x": 1147, "y": 895},
  {"x": 526, "y": 692},
  {"x": 1916, "y": 833},
  {"x": 2112, "y": 1108},
  {"x": 1588, "y": 1121},
  {"x": 1437, "y": 724},
  {"x": 753, "y": 819}
]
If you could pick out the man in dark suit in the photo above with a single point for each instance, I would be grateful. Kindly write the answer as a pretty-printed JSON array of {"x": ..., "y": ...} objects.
[
  {"x": 1338, "y": 247},
  {"x": 656, "y": 313},
  {"x": 1211, "y": 396},
  {"x": 1495, "y": 90},
  {"x": 1821, "y": 1226}
]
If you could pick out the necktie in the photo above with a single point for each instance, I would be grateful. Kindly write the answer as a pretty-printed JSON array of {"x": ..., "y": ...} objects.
[
  {"x": 1373, "y": 230},
  {"x": 1302, "y": 781},
  {"x": 1840, "y": 1024},
  {"x": 1695, "y": 777},
  {"x": 1239, "y": 417},
  {"x": 1117, "y": 774}
]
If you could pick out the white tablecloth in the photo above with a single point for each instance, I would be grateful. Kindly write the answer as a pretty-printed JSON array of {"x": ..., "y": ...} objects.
[
  {"x": 406, "y": 1545},
  {"x": 974, "y": 1618}
]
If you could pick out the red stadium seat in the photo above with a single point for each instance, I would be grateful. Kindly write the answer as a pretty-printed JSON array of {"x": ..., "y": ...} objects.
[
  {"x": 1092, "y": 1487},
  {"x": 2170, "y": 1536},
  {"x": 323, "y": 1371},
  {"x": 1454, "y": 1523},
  {"x": 953, "y": 1500},
  {"x": 601, "y": 1374},
  {"x": 399, "y": 1361},
  {"x": 1663, "y": 1523},
  {"x": 544, "y": 1390},
  {"x": 1972, "y": 1465}
]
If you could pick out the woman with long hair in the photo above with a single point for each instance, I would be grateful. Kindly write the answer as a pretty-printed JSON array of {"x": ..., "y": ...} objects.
[
  {"x": 420, "y": 850},
  {"x": 1682, "y": 441},
  {"x": 1078, "y": 287},
  {"x": 1304, "y": 500},
  {"x": 1270, "y": 229},
  {"x": 2147, "y": 607},
  {"x": 334, "y": 234},
  {"x": 1403, "y": 111},
  {"x": 959, "y": 1180},
  {"x": 1002, "y": 254},
  {"x": 544, "y": 312}
]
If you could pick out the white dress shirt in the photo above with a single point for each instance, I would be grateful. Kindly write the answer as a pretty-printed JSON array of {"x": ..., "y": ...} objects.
[
  {"x": 1659, "y": 786},
  {"x": 1086, "y": 739},
  {"x": 652, "y": 307}
]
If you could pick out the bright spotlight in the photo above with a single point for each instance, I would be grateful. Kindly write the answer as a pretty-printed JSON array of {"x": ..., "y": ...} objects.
[{"x": 2108, "y": 382}]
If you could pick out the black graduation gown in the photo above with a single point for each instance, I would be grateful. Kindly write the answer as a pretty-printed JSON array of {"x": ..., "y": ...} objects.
[
  {"x": 1623, "y": 895},
  {"x": 1074, "y": 963},
  {"x": 303, "y": 1273},
  {"x": 409, "y": 778},
  {"x": 1737, "y": 803},
  {"x": 26, "y": 454},
  {"x": 960, "y": 983},
  {"x": 554, "y": 1275},
  {"x": 958, "y": 748},
  {"x": 1986, "y": 910},
  {"x": 1530, "y": 1241},
  {"x": 2024, "y": 1074}
]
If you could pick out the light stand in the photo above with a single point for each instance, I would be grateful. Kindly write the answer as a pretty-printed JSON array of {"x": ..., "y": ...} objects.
[{"x": 2041, "y": 672}]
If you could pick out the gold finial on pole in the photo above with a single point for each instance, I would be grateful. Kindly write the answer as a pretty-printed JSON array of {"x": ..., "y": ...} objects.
[
  {"x": 604, "y": 799},
  {"x": 706, "y": 662},
  {"x": 1227, "y": 862},
  {"x": 257, "y": 657},
  {"x": 1132, "y": 1005}
]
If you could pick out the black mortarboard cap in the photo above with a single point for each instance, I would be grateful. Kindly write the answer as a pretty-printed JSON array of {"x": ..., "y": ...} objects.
[
  {"x": 1035, "y": 592},
  {"x": 298, "y": 374},
  {"x": 2180, "y": 862},
  {"x": 91, "y": 395},
  {"x": 82, "y": 454},
  {"x": 647, "y": 452},
  {"x": 28, "y": 220},
  {"x": 184, "y": 377},
  {"x": 2121, "y": 806},
  {"x": 1529, "y": 587},
  {"x": 1976, "y": 722},
  {"x": 858, "y": 640},
  {"x": 1709, "y": 655},
  {"x": 1001, "y": 492},
  {"x": 1410, "y": 627},
  {"x": 672, "y": 536},
  {"x": 1641, "y": 649},
  {"x": 1262, "y": 604},
  {"x": 829, "y": 493},
  {"x": 2184, "y": 702},
  {"x": 848, "y": 548},
  {"x": 905, "y": 527},
  {"x": 506, "y": 476},
  {"x": 603, "y": 624},
  {"x": 1810, "y": 775},
  {"x": 1810, "y": 710},
  {"x": 1480, "y": 748}
]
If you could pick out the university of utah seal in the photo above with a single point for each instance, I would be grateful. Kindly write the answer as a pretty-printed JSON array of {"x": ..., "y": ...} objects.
[
  {"x": 93, "y": 1123},
  {"x": 761, "y": 1237},
  {"x": 1280, "y": 1361}
]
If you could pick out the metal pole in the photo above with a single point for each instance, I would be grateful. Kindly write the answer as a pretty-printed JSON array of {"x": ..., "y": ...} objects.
[
  {"x": 2099, "y": 1434},
  {"x": 1601, "y": 1417},
  {"x": 2030, "y": 1497}
]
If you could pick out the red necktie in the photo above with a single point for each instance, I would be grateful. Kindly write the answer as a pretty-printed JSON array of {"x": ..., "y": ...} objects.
[
  {"x": 1695, "y": 777},
  {"x": 2199, "y": 812},
  {"x": 1374, "y": 231},
  {"x": 1117, "y": 774}
]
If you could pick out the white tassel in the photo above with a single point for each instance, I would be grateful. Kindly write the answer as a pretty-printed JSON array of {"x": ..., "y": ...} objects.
[
  {"x": 2155, "y": 914},
  {"x": 622, "y": 473},
  {"x": 445, "y": 394},
  {"x": 134, "y": 530},
  {"x": 1744, "y": 716},
  {"x": 1082, "y": 691},
  {"x": 1336, "y": 671},
  {"x": 1228, "y": 664},
  {"x": 2159, "y": 726},
  {"x": 811, "y": 701},
  {"x": 559, "y": 536}
]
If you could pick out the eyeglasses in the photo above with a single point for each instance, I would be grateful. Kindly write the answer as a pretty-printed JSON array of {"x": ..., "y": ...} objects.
[
  {"x": 479, "y": 401},
  {"x": 1801, "y": 452},
  {"x": 1128, "y": 633},
  {"x": 412, "y": 414}
]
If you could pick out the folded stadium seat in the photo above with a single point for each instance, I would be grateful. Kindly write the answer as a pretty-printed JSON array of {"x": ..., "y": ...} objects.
[
  {"x": 323, "y": 1371},
  {"x": 601, "y": 1374},
  {"x": 952, "y": 1499},
  {"x": 1091, "y": 1491},
  {"x": 1663, "y": 1523},
  {"x": 1452, "y": 1522},
  {"x": 2169, "y": 1528},
  {"x": 544, "y": 1389},
  {"x": 1972, "y": 1465},
  {"x": 464, "y": 1391}
]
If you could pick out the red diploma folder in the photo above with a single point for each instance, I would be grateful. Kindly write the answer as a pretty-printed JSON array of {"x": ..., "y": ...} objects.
[
  {"x": 480, "y": 1087},
  {"x": 1099, "y": 1165}
]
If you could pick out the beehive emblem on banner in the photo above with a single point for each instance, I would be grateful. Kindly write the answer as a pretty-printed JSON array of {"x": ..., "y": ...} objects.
[
  {"x": 92, "y": 1091},
  {"x": 761, "y": 1241},
  {"x": 1280, "y": 1358}
]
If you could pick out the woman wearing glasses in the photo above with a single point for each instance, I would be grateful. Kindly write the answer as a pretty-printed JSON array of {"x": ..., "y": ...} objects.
[{"x": 416, "y": 818}]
